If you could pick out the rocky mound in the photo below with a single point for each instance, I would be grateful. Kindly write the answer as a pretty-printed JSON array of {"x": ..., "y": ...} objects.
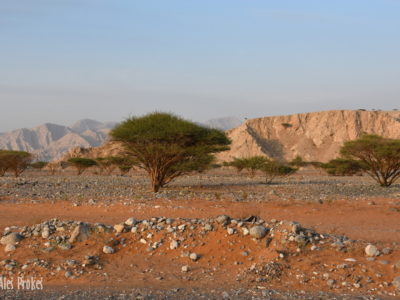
[
  {"x": 198, "y": 252},
  {"x": 314, "y": 136}
]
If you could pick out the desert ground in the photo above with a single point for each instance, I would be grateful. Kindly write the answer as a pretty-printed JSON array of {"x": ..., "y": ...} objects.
[{"x": 217, "y": 235}]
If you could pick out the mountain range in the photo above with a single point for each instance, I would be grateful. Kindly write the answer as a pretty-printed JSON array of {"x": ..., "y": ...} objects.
[{"x": 50, "y": 141}]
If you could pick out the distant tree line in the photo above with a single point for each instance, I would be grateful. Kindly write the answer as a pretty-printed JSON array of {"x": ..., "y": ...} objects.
[{"x": 166, "y": 147}]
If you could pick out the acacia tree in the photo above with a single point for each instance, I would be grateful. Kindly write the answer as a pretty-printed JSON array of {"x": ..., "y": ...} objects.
[
  {"x": 167, "y": 146},
  {"x": 270, "y": 168},
  {"x": 381, "y": 156},
  {"x": 251, "y": 164},
  {"x": 82, "y": 163},
  {"x": 344, "y": 167},
  {"x": 17, "y": 161},
  {"x": 273, "y": 169},
  {"x": 106, "y": 164}
]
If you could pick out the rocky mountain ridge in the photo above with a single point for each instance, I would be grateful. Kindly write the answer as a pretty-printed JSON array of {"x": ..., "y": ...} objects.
[
  {"x": 50, "y": 141},
  {"x": 315, "y": 136}
]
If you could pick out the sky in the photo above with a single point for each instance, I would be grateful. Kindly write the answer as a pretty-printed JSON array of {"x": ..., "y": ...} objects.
[{"x": 65, "y": 60}]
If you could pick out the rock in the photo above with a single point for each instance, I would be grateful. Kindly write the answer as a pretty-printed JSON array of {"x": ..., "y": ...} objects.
[
  {"x": 245, "y": 231},
  {"x": 173, "y": 245},
  {"x": 230, "y": 231},
  {"x": 350, "y": 259},
  {"x": 11, "y": 239},
  {"x": 330, "y": 282},
  {"x": 9, "y": 248},
  {"x": 185, "y": 269},
  {"x": 258, "y": 232},
  {"x": 208, "y": 227},
  {"x": 386, "y": 251},
  {"x": 371, "y": 250},
  {"x": 194, "y": 256},
  {"x": 396, "y": 282},
  {"x": 46, "y": 233},
  {"x": 68, "y": 274},
  {"x": 222, "y": 219},
  {"x": 80, "y": 233},
  {"x": 131, "y": 222},
  {"x": 108, "y": 250},
  {"x": 119, "y": 228}
]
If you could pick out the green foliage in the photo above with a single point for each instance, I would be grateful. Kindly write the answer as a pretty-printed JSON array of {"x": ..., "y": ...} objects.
[
  {"x": 270, "y": 168},
  {"x": 124, "y": 163},
  {"x": 344, "y": 167},
  {"x": 39, "y": 164},
  {"x": 167, "y": 146},
  {"x": 250, "y": 164},
  {"x": 106, "y": 164},
  {"x": 273, "y": 169},
  {"x": 287, "y": 125},
  {"x": 380, "y": 155},
  {"x": 82, "y": 163},
  {"x": 298, "y": 162},
  {"x": 16, "y": 161}
]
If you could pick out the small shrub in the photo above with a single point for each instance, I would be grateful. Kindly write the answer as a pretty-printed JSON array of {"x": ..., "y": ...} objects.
[
  {"x": 343, "y": 167},
  {"x": 82, "y": 163}
]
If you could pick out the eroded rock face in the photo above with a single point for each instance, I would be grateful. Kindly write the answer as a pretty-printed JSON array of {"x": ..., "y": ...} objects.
[{"x": 314, "y": 136}]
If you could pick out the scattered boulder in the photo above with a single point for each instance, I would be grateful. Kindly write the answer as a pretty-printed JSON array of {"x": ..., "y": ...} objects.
[
  {"x": 119, "y": 228},
  {"x": 185, "y": 269},
  {"x": 80, "y": 233},
  {"x": 108, "y": 250},
  {"x": 223, "y": 219},
  {"x": 173, "y": 245},
  {"x": 258, "y": 231},
  {"x": 371, "y": 250},
  {"x": 9, "y": 248},
  {"x": 11, "y": 239},
  {"x": 131, "y": 222},
  {"x": 194, "y": 256}
]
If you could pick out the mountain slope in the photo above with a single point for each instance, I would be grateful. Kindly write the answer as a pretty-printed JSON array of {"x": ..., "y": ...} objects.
[{"x": 314, "y": 136}]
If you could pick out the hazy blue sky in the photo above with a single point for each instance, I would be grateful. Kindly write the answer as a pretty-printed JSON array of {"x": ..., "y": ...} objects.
[{"x": 63, "y": 60}]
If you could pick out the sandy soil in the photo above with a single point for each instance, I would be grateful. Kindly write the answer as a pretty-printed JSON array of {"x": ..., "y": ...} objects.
[{"x": 370, "y": 220}]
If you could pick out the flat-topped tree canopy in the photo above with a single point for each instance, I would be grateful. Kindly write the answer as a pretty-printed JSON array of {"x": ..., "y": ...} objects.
[
  {"x": 380, "y": 155},
  {"x": 167, "y": 146}
]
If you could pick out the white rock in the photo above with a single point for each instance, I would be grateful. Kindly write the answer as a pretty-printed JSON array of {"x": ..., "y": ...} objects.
[
  {"x": 185, "y": 269},
  {"x": 108, "y": 250},
  {"x": 9, "y": 248},
  {"x": 371, "y": 250},
  {"x": 230, "y": 231},
  {"x": 245, "y": 231},
  {"x": 130, "y": 222},
  {"x": 258, "y": 231},
  {"x": 11, "y": 238},
  {"x": 173, "y": 245},
  {"x": 119, "y": 228},
  {"x": 193, "y": 256}
]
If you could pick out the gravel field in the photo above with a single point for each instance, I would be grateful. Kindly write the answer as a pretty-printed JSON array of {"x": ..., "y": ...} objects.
[{"x": 210, "y": 186}]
